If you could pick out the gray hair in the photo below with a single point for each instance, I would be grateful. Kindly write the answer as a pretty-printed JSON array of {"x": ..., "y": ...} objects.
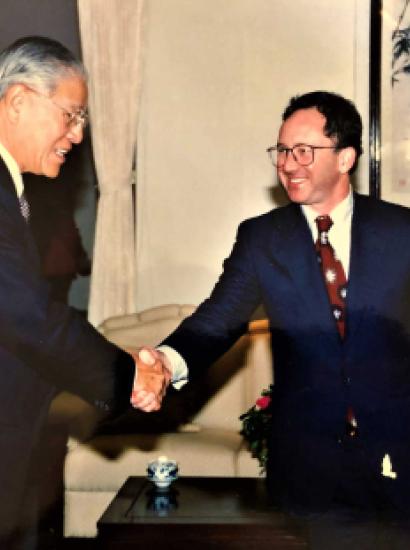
[{"x": 37, "y": 62}]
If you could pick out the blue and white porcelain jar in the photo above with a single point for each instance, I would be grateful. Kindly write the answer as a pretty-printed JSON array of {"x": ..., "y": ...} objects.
[{"x": 162, "y": 472}]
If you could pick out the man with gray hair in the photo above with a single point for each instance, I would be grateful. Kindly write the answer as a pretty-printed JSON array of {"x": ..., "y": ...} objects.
[{"x": 44, "y": 346}]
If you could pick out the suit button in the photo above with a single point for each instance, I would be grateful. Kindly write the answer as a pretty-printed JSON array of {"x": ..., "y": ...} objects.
[{"x": 347, "y": 380}]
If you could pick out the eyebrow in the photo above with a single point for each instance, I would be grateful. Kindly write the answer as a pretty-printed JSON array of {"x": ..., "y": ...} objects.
[
  {"x": 71, "y": 105},
  {"x": 280, "y": 144}
]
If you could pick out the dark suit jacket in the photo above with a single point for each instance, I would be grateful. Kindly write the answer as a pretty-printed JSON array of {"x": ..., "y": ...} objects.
[
  {"x": 316, "y": 374},
  {"x": 44, "y": 347}
]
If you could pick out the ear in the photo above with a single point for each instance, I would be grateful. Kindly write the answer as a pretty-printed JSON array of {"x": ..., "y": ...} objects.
[
  {"x": 347, "y": 157},
  {"x": 14, "y": 100}
]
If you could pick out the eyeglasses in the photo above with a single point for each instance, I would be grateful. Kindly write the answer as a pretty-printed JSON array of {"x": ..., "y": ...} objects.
[
  {"x": 73, "y": 119},
  {"x": 302, "y": 153}
]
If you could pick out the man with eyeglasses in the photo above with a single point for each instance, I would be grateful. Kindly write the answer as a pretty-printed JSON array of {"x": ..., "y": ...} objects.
[
  {"x": 44, "y": 345},
  {"x": 337, "y": 299}
]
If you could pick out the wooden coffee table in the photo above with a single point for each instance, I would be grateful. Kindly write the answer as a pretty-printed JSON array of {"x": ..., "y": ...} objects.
[{"x": 197, "y": 513}]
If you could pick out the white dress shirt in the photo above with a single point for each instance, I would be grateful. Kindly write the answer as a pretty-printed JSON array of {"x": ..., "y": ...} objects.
[{"x": 14, "y": 170}]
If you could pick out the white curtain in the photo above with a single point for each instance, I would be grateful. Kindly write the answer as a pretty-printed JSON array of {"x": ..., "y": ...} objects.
[{"x": 111, "y": 37}]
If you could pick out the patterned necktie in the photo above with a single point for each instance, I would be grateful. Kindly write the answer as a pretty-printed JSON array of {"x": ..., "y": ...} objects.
[
  {"x": 24, "y": 207},
  {"x": 333, "y": 273},
  {"x": 336, "y": 285}
]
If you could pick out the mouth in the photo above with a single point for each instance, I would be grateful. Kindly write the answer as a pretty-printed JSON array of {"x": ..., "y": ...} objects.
[
  {"x": 61, "y": 153},
  {"x": 296, "y": 181}
]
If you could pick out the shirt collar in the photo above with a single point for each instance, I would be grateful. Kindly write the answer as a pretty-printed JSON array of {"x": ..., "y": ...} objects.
[
  {"x": 14, "y": 170},
  {"x": 340, "y": 214}
]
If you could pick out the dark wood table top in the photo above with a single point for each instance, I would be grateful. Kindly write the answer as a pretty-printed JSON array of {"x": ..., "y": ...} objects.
[{"x": 203, "y": 512}]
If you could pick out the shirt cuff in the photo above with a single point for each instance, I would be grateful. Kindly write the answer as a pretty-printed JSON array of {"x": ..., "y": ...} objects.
[{"x": 178, "y": 365}]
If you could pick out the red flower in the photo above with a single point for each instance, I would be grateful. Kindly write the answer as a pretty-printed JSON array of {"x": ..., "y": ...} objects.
[{"x": 263, "y": 402}]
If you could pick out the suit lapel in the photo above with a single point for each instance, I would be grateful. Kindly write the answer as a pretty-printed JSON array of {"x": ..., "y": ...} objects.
[
  {"x": 366, "y": 264},
  {"x": 9, "y": 201},
  {"x": 293, "y": 249}
]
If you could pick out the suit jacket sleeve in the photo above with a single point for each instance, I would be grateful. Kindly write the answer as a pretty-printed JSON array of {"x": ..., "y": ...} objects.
[
  {"x": 50, "y": 337},
  {"x": 222, "y": 318}
]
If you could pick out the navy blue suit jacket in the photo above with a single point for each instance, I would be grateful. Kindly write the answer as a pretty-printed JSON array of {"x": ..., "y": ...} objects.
[
  {"x": 44, "y": 347},
  {"x": 316, "y": 374}
]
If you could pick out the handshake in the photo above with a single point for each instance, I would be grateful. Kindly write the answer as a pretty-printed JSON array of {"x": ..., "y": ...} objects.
[{"x": 153, "y": 375}]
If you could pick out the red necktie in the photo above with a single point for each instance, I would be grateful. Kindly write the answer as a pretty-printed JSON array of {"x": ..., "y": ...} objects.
[
  {"x": 336, "y": 285},
  {"x": 333, "y": 273}
]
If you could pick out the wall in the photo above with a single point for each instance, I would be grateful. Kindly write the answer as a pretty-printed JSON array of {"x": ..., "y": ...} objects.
[
  {"x": 395, "y": 115},
  {"x": 217, "y": 76}
]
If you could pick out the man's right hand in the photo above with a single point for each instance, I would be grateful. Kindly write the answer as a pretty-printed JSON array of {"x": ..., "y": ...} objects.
[{"x": 153, "y": 376}]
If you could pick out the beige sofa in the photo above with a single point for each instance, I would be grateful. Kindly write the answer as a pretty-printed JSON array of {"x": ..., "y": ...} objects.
[{"x": 198, "y": 426}]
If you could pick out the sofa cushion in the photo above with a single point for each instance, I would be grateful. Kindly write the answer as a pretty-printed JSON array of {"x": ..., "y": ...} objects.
[
  {"x": 82, "y": 511},
  {"x": 104, "y": 463},
  {"x": 173, "y": 312}
]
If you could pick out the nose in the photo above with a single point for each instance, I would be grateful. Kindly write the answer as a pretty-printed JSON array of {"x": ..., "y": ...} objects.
[
  {"x": 76, "y": 133},
  {"x": 290, "y": 163}
]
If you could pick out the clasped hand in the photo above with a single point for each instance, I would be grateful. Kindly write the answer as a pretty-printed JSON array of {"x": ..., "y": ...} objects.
[{"x": 152, "y": 378}]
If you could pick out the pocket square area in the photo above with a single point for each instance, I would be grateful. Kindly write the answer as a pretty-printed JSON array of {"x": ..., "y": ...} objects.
[{"x": 387, "y": 469}]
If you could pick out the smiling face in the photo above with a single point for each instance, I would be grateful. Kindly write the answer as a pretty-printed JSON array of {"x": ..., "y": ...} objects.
[
  {"x": 325, "y": 182},
  {"x": 43, "y": 130}
]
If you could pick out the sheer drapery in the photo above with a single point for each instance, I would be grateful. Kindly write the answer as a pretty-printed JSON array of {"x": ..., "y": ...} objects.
[{"x": 111, "y": 37}]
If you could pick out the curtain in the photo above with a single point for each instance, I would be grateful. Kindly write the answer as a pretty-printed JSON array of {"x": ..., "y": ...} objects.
[{"x": 111, "y": 38}]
